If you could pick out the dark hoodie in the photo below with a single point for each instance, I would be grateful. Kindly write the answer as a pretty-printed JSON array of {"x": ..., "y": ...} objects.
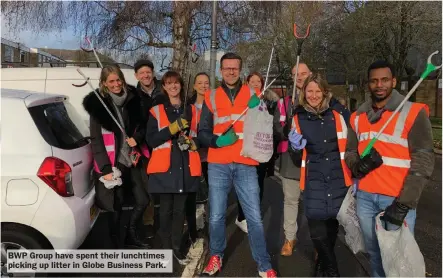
[{"x": 100, "y": 118}]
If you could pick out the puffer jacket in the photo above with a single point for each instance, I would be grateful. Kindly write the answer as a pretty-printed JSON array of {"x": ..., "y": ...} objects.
[{"x": 325, "y": 186}]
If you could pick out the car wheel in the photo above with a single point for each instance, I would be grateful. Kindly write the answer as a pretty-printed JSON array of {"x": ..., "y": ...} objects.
[{"x": 16, "y": 238}]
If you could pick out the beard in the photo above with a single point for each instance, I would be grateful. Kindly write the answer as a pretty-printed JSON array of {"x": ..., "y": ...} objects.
[{"x": 379, "y": 98}]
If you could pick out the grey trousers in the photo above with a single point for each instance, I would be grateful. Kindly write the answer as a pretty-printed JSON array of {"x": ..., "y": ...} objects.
[{"x": 291, "y": 192}]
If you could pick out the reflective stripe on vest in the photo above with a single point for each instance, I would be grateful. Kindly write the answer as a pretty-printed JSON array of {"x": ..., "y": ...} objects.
[
  {"x": 160, "y": 161},
  {"x": 282, "y": 104},
  {"x": 392, "y": 145},
  {"x": 342, "y": 134},
  {"x": 109, "y": 142},
  {"x": 224, "y": 113}
]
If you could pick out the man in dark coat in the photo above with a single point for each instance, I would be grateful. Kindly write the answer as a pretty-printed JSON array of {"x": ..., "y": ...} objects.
[{"x": 149, "y": 91}]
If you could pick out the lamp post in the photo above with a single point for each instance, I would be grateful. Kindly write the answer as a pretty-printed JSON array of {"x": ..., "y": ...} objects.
[{"x": 213, "y": 57}]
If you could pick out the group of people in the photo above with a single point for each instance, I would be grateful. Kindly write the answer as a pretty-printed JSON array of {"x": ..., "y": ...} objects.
[{"x": 164, "y": 144}]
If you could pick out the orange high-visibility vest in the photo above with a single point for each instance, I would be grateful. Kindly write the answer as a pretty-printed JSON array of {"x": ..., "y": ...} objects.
[
  {"x": 161, "y": 156},
  {"x": 342, "y": 135},
  {"x": 392, "y": 145},
  {"x": 224, "y": 113}
]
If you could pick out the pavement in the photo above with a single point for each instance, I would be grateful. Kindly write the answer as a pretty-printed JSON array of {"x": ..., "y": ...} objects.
[{"x": 238, "y": 261}]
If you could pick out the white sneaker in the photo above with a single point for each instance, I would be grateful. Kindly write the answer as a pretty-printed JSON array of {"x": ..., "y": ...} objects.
[{"x": 242, "y": 225}]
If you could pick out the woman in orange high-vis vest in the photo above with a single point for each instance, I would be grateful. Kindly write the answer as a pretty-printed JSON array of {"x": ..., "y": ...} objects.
[
  {"x": 318, "y": 137},
  {"x": 174, "y": 168},
  {"x": 111, "y": 152}
]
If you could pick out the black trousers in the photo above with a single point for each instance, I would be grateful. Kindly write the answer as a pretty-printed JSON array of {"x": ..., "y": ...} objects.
[
  {"x": 172, "y": 219},
  {"x": 323, "y": 235},
  {"x": 262, "y": 171}
]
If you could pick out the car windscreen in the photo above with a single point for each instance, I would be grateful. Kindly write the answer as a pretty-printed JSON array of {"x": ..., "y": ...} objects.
[{"x": 60, "y": 125}]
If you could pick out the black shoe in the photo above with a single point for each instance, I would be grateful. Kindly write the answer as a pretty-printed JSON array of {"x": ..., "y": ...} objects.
[
  {"x": 327, "y": 256},
  {"x": 133, "y": 241},
  {"x": 180, "y": 257},
  {"x": 132, "y": 238},
  {"x": 318, "y": 269}
]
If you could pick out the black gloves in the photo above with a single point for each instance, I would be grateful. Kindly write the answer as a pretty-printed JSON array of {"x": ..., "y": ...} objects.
[
  {"x": 395, "y": 213},
  {"x": 368, "y": 163}
]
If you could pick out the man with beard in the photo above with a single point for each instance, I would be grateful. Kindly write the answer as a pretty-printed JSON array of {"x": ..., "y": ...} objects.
[
  {"x": 392, "y": 176},
  {"x": 149, "y": 90}
]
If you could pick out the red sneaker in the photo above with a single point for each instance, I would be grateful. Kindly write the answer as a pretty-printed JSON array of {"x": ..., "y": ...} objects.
[
  {"x": 213, "y": 267},
  {"x": 268, "y": 274}
]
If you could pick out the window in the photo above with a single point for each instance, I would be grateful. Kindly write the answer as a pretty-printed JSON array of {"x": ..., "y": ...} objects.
[
  {"x": 9, "y": 54},
  {"x": 60, "y": 125},
  {"x": 22, "y": 56}
]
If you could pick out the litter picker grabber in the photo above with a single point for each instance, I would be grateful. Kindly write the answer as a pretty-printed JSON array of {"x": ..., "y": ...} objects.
[
  {"x": 300, "y": 40},
  {"x": 429, "y": 68},
  {"x": 134, "y": 154},
  {"x": 262, "y": 92}
]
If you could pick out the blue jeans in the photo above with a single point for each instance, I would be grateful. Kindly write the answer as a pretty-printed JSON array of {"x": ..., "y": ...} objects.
[
  {"x": 244, "y": 178},
  {"x": 368, "y": 206}
]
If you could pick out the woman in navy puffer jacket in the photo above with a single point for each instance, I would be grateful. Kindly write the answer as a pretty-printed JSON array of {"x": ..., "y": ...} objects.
[{"x": 318, "y": 137}]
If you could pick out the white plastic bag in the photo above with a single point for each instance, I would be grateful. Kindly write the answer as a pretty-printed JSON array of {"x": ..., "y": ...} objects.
[
  {"x": 347, "y": 217},
  {"x": 258, "y": 142},
  {"x": 400, "y": 254}
]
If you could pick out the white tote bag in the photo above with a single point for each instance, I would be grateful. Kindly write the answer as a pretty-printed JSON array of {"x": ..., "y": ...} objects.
[
  {"x": 400, "y": 254},
  {"x": 347, "y": 217},
  {"x": 258, "y": 142}
]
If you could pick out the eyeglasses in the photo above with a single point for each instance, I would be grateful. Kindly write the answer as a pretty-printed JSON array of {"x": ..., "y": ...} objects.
[{"x": 231, "y": 69}]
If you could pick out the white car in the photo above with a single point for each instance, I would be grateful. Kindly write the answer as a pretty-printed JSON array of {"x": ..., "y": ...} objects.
[{"x": 47, "y": 193}]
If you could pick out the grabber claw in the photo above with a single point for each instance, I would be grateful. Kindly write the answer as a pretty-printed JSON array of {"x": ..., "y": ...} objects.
[
  {"x": 430, "y": 60},
  {"x": 430, "y": 67},
  {"x": 306, "y": 34}
]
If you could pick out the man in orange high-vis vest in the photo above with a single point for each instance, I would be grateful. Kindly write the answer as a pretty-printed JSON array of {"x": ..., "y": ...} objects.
[
  {"x": 391, "y": 178},
  {"x": 226, "y": 166}
]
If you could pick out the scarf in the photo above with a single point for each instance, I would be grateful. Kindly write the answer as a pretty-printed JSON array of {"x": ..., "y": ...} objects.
[{"x": 119, "y": 100}]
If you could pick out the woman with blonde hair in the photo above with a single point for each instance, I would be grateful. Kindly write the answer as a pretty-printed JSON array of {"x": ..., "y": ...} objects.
[
  {"x": 115, "y": 167},
  {"x": 318, "y": 142}
]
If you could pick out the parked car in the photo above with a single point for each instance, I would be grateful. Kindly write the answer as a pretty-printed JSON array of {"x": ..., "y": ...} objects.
[
  {"x": 57, "y": 81},
  {"x": 47, "y": 193}
]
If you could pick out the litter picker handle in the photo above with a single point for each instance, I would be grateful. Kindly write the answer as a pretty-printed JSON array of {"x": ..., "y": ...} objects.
[
  {"x": 429, "y": 68},
  {"x": 104, "y": 105},
  {"x": 247, "y": 108}
]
